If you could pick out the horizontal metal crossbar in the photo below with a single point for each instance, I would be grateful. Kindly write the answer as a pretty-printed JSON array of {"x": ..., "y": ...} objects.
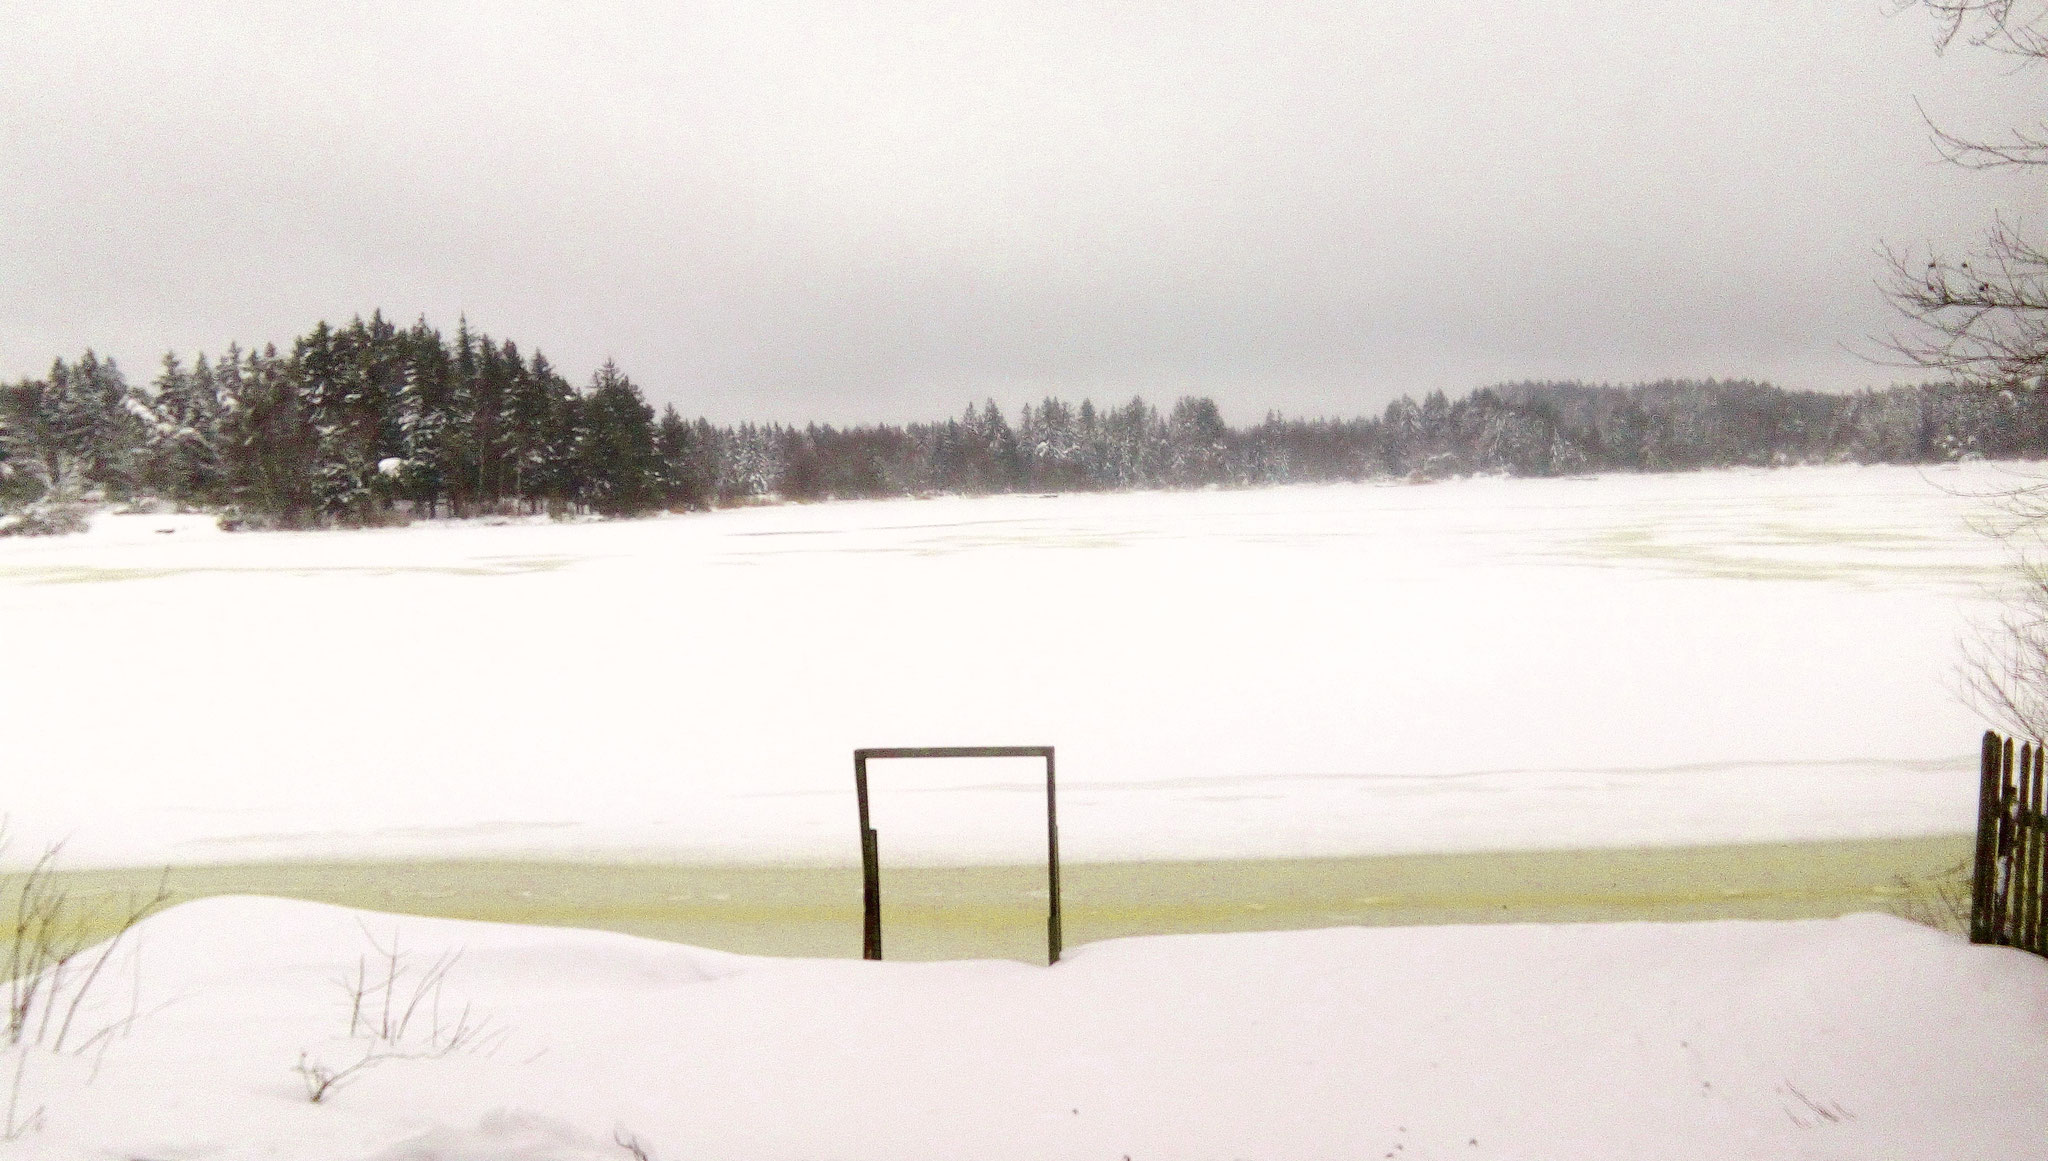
[{"x": 954, "y": 752}]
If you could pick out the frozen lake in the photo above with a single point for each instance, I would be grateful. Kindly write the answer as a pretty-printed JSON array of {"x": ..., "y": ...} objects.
[{"x": 1477, "y": 664}]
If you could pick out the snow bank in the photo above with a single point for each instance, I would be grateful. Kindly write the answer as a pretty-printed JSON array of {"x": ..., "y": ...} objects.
[
  {"x": 137, "y": 528},
  {"x": 1853, "y": 1038}
]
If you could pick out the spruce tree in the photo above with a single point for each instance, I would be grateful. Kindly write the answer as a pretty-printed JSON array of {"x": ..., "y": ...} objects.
[
  {"x": 524, "y": 415},
  {"x": 63, "y": 425},
  {"x": 272, "y": 449},
  {"x": 15, "y": 485},
  {"x": 424, "y": 417},
  {"x": 672, "y": 440},
  {"x": 615, "y": 451},
  {"x": 183, "y": 458}
]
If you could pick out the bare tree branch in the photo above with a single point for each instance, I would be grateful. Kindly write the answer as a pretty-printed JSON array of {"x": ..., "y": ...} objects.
[
  {"x": 1981, "y": 319},
  {"x": 2010, "y": 27},
  {"x": 2024, "y": 149}
]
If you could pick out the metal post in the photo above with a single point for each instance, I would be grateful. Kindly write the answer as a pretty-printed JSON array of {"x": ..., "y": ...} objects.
[
  {"x": 1052, "y": 863},
  {"x": 870, "y": 868}
]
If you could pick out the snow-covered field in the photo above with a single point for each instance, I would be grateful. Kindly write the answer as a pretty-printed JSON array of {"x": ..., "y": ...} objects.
[
  {"x": 1307, "y": 671},
  {"x": 1863, "y": 1037}
]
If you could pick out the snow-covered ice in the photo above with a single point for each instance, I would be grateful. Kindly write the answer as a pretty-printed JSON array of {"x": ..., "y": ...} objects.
[
  {"x": 1860, "y": 1037},
  {"x": 1482, "y": 663},
  {"x": 1474, "y": 664}
]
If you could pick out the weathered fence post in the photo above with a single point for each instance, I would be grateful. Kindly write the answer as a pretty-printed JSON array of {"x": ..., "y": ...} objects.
[
  {"x": 1987, "y": 829},
  {"x": 2009, "y": 876},
  {"x": 2001, "y": 849},
  {"x": 2036, "y": 852},
  {"x": 2024, "y": 872}
]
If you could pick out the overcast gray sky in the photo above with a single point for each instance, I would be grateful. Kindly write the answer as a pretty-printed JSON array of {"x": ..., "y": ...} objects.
[{"x": 880, "y": 210}]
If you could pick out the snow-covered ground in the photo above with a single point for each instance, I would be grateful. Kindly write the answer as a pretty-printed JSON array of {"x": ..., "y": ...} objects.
[
  {"x": 1338, "y": 670},
  {"x": 1862, "y": 1037}
]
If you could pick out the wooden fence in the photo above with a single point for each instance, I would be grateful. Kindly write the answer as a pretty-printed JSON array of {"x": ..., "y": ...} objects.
[{"x": 2012, "y": 848}]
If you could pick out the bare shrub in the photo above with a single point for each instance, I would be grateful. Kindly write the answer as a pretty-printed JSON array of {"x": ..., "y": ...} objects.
[
  {"x": 374, "y": 516},
  {"x": 1940, "y": 900},
  {"x": 48, "y": 519},
  {"x": 58, "y": 952},
  {"x": 2004, "y": 670},
  {"x": 395, "y": 1008},
  {"x": 631, "y": 1144}
]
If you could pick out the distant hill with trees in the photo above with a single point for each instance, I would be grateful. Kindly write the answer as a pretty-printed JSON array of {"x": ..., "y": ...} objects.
[{"x": 369, "y": 422}]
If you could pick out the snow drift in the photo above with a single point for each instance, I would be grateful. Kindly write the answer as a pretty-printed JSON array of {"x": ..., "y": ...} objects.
[{"x": 1853, "y": 1038}]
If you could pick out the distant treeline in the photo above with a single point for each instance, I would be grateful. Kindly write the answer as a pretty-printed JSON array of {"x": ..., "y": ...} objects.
[{"x": 362, "y": 421}]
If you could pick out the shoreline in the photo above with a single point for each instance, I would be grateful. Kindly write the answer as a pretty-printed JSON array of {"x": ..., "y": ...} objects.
[{"x": 932, "y": 912}]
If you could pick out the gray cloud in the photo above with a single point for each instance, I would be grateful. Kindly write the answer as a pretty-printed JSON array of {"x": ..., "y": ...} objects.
[{"x": 880, "y": 211}]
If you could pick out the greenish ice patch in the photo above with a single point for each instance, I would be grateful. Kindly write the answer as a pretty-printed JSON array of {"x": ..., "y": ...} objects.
[
  {"x": 932, "y": 913},
  {"x": 1726, "y": 555}
]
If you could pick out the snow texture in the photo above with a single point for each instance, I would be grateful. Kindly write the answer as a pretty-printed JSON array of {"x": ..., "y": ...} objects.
[
  {"x": 1475, "y": 664},
  {"x": 1852, "y": 1038}
]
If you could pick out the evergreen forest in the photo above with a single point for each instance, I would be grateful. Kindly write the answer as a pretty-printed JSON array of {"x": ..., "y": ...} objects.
[{"x": 370, "y": 423}]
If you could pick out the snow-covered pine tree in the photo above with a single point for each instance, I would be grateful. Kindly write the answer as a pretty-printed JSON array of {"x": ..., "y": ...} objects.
[
  {"x": 498, "y": 371},
  {"x": 523, "y": 417},
  {"x": 616, "y": 449},
  {"x": 423, "y": 412},
  {"x": 16, "y": 485},
  {"x": 22, "y": 411},
  {"x": 1003, "y": 469},
  {"x": 115, "y": 419},
  {"x": 746, "y": 464},
  {"x": 1051, "y": 447},
  {"x": 270, "y": 447},
  {"x": 182, "y": 450},
  {"x": 350, "y": 381},
  {"x": 458, "y": 453},
  {"x": 326, "y": 379},
  {"x": 673, "y": 440},
  {"x": 704, "y": 460},
  {"x": 1134, "y": 442},
  {"x": 562, "y": 484},
  {"x": 77, "y": 426},
  {"x": 1195, "y": 440}
]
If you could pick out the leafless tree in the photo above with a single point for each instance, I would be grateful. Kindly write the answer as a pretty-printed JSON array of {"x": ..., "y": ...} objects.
[
  {"x": 2004, "y": 672},
  {"x": 1981, "y": 318}
]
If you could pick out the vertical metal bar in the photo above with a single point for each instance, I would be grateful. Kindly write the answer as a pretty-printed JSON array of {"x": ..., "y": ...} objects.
[
  {"x": 1987, "y": 840},
  {"x": 870, "y": 868},
  {"x": 1052, "y": 862},
  {"x": 871, "y": 897}
]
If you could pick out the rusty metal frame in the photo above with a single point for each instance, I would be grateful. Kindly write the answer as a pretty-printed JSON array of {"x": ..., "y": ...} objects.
[{"x": 870, "y": 853}]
